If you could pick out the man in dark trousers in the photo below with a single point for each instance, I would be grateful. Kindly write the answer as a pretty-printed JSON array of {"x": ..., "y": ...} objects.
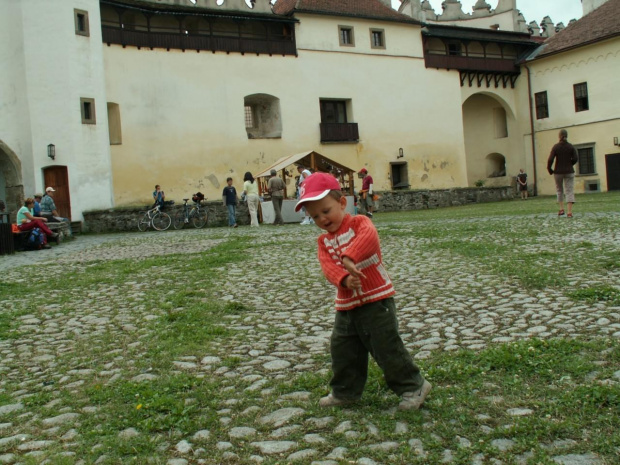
[{"x": 276, "y": 188}]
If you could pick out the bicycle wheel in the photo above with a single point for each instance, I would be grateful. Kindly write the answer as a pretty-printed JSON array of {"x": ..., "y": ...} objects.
[
  {"x": 199, "y": 219},
  {"x": 161, "y": 221},
  {"x": 144, "y": 222},
  {"x": 179, "y": 220}
]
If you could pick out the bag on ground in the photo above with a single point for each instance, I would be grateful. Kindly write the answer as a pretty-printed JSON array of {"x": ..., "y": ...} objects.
[{"x": 36, "y": 239}]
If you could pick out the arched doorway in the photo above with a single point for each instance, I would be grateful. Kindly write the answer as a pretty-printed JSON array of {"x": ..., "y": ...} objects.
[
  {"x": 11, "y": 184},
  {"x": 492, "y": 145}
]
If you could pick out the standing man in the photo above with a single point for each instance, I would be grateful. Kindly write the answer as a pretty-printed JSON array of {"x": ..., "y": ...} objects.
[
  {"x": 366, "y": 192},
  {"x": 565, "y": 157},
  {"x": 303, "y": 174},
  {"x": 229, "y": 196},
  {"x": 522, "y": 183},
  {"x": 49, "y": 211},
  {"x": 276, "y": 188}
]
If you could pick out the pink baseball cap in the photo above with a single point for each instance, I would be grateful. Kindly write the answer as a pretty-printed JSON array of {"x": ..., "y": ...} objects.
[{"x": 315, "y": 187}]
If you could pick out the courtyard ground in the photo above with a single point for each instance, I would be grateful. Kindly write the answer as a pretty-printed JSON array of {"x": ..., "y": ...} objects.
[{"x": 211, "y": 346}]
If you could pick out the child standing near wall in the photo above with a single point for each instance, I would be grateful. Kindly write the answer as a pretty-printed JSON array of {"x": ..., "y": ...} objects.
[{"x": 350, "y": 256}]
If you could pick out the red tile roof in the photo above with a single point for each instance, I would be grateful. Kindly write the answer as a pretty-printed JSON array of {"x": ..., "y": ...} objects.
[
  {"x": 601, "y": 24},
  {"x": 367, "y": 9}
]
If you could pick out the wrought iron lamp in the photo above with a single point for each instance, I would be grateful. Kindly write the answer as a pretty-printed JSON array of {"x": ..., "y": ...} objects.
[
  {"x": 51, "y": 151},
  {"x": 401, "y": 154}
]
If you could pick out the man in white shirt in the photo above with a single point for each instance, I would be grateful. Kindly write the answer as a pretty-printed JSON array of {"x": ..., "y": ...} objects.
[{"x": 303, "y": 174}]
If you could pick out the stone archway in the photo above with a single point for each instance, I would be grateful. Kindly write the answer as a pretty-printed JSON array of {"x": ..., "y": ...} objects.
[
  {"x": 11, "y": 184},
  {"x": 491, "y": 139}
]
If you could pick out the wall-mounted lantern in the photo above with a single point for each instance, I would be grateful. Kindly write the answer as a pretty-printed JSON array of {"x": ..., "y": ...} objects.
[
  {"x": 401, "y": 154},
  {"x": 615, "y": 141},
  {"x": 51, "y": 151}
]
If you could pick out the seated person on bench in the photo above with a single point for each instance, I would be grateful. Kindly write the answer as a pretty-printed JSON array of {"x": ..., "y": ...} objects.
[
  {"x": 48, "y": 209},
  {"x": 26, "y": 221}
]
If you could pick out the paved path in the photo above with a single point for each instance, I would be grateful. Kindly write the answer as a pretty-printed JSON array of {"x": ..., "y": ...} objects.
[{"x": 444, "y": 305}]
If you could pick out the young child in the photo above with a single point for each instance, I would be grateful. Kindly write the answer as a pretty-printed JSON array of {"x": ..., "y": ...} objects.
[
  {"x": 229, "y": 198},
  {"x": 350, "y": 256}
]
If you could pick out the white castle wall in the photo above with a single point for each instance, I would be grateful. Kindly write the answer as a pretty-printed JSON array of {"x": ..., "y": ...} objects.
[{"x": 50, "y": 69}]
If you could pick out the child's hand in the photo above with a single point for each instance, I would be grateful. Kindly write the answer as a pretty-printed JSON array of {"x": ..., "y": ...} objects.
[
  {"x": 350, "y": 266},
  {"x": 353, "y": 283}
]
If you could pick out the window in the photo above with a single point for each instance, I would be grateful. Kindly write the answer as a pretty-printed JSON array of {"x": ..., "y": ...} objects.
[
  {"x": 87, "y": 106},
  {"x": 249, "y": 117},
  {"x": 114, "y": 124},
  {"x": 454, "y": 49},
  {"x": 333, "y": 111},
  {"x": 399, "y": 174},
  {"x": 335, "y": 126},
  {"x": 262, "y": 116},
  {"x": 81, "y": 22},
  {"x": 542, "y": 106},
  {"x": 586, "y": 160},
  {"x": 377, "y": 38},
  {"x": 581, "y": 96},
  {"x": 346, "y": 36}
]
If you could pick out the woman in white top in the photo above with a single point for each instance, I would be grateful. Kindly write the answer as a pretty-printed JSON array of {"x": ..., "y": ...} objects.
[{"x": 250, "y": 188}]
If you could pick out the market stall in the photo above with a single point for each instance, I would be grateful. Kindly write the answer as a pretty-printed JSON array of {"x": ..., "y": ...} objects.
[{"x": 286, "y": 168}]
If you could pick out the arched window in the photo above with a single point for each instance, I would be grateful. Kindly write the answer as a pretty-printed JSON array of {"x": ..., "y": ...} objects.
[{"x": 262, "y": 116}]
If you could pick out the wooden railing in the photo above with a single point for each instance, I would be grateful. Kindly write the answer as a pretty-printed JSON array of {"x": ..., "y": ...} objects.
[
  {"x": 464, "y": 63},
  {"x": 339, "y": 132},
  {"x": 179, "y": 41}
]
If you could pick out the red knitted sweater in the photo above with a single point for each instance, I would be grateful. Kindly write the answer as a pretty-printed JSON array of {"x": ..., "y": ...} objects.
[{"x": 357, "y": 239}]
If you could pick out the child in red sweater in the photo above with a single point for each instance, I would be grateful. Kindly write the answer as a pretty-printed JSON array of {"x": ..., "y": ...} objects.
[{"x": 350, "y": 256}]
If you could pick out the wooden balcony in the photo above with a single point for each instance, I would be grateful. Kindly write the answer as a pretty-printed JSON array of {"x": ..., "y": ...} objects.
[
  {"x": 179, "y": 41},
  {"x": 465, "y": 63},
  {"x": 339, "y": 132}
]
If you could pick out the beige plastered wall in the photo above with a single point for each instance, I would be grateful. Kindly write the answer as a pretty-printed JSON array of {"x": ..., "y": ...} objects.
[
  {"x": 183, "y": 125},
  {"x": 598, "y": 65},
  {"x": 480, "y": 132}
]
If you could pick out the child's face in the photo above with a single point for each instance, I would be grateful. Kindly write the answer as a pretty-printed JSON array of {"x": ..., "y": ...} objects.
[
  {"x": 328, "y": 212},
  {"x": 229, "y": 182}
]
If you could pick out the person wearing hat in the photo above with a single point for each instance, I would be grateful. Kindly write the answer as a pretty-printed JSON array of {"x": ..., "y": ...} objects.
[
  {"x": 276, "y": 187},
  {"x": 36, "y": 210},
  {"x": 366, "y": 192},
  {"x": 49, "y": 211},
  {"x": 365, "y": 323}
]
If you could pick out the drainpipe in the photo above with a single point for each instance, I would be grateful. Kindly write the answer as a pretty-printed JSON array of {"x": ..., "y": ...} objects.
[{"x": 529, "y": 94}]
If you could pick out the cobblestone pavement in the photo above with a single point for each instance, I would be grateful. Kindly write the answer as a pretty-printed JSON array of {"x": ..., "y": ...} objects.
[{"x": 444, "y": 305}]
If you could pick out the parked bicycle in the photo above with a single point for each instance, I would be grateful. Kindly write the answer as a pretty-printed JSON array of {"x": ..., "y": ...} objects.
[
  {"x": 196, "y": 214},
  {"x": 155, "y": 218}
]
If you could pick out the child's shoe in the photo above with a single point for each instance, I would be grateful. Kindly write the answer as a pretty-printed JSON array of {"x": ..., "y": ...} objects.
[
  {"x": 414, "y": 400},
  {"x": 331, "y": 401}
]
